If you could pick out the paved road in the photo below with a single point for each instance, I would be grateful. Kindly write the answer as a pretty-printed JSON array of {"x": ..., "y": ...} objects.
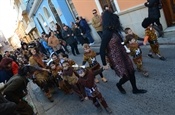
[{"x": 159, "y": 100}]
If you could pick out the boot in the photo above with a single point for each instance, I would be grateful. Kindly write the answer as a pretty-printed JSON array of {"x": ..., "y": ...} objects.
[
  {"x": 49, "y": 96},
  {"x": 121, "y": 89}
]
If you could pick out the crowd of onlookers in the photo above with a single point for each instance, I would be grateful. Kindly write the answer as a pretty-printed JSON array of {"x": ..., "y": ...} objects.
[{"x": 45, "y": 61}]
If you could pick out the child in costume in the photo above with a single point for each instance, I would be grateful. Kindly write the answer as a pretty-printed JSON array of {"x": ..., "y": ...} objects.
[
  {"x": 86, "y": 79},
  {"x": 136, "y": 53},
  {"x": 128, "y": 31},
  {"x": 70, "y": 76},
  {"x": 90, "y": 57},
  {"x": 56, "y": 71},
  {"x": 151, "y": 37}
]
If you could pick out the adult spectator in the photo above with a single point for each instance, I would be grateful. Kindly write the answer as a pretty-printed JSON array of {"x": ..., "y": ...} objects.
[
  {"x": 69, "y": 38},
  {"x": 86, "y": 30},
  {"x": 154, "y": 11},
  {"x": 55, "y": 43},
  {"x": 16, "y": 89},
  {"x": 5, "y": 69},
  {"x": 97, "y": 22}
]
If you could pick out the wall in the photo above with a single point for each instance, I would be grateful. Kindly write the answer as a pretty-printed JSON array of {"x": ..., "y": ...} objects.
[
  {"x": 133, "y": 18},
  {"x": 125, "y": 4},
  {"x": 84, "y": 8}
]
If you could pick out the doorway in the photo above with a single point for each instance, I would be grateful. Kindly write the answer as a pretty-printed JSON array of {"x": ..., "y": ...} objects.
[
  {"x": 110, "y": 3},
  {"x": 54, "y": 11},
  {"x": 169, "y": 11}
]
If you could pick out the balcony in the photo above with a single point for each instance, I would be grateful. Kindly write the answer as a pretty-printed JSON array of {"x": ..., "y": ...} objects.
[
  {"x": 30, "y": 26},
  {"x": 33, "y": 7},
  {"x": 23, "y": 9}
]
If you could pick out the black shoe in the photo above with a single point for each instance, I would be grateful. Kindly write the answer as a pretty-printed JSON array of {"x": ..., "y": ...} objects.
[
  {"x": 121, "y": 88},
  {"x": 139, "y": 91},
  {"x": 150, "y": 55},
  {"x": 162, "y": 58},
  {"x": 81, "y": 98},
  {"x": 108, "y": 110},
  {"x": 51, "y": 99}
]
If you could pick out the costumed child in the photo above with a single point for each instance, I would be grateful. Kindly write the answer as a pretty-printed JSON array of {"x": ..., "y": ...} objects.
[
  {"x": 90, "y": 57},
  {"x": 128, "y": 31},
  {"x": 65, "y": 57},
  {"x": 86, "y": 79},
  {"x": 151, "y": 37},
  {"x": 136, "y": 53},
  {"x": 56, "y": 72},
  {"x": 70, "y": 76}
]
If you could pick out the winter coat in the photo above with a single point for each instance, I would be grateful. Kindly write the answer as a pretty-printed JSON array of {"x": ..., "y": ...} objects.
[
  {"x": 6, "y": 107},
  {"x": 68, "y": 36},
  {"x": 153, "y": 9},
  {"x": 97, "y": 23},
  {"x": 16, "y": 88}
]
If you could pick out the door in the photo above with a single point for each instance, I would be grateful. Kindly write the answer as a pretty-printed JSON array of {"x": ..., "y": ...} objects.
[
  {"x": 169, "y": 11},
  {"x": 110, "y": 3}
]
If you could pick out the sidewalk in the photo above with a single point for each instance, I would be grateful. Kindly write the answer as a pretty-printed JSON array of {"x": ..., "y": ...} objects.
[{"x": 167, "y": 39}]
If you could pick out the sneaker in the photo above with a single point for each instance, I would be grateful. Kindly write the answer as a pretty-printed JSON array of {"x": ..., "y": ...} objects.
[
  {"x": 121, "y": 88},
  {"x": 162, "y": 58},
  {"x": 150, "y": 55},
  {"x": 108, "y": 110},
  {"x": 104, "y": 79},
  {"x": 139, "y": 91},
  {"x": 91, "y": 44},
  {"x": 145, "y": 73},
  {"x": 96, "y": 80}
]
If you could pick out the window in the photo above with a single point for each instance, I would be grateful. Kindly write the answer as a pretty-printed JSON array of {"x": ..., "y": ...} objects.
[
  {"x": 110, "y": 3},
  {"x": 46, "y": 12}
]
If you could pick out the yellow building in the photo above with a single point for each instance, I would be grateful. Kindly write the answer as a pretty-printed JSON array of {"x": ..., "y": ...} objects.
[{"x": 25, "y": 30}]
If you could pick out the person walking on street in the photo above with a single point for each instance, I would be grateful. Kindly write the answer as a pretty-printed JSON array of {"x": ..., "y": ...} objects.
[
  {"x": 115, "y": 51},
  {"x": 154, "y": 12}
]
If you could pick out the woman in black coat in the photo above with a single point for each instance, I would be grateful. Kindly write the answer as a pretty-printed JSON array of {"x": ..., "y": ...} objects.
[
  {"x": 112, "y": 48},
  {"x": 154, "y": 11}
]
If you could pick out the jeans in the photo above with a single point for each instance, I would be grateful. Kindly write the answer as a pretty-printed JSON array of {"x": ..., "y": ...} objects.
[{"x": 88, "y": 35}]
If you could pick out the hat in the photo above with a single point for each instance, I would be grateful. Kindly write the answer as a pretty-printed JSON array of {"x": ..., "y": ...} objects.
[{"x": 146, "y": 22}]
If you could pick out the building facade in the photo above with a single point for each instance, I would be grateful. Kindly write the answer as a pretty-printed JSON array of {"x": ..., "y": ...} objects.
[
  {"x": 46, "y": 13},
  {"x": 131, "y": 12},
  {"x": 25, "y": 27}
]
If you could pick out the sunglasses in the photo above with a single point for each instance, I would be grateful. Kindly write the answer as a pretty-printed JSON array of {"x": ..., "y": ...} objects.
[{"x": 94, "y": 12}]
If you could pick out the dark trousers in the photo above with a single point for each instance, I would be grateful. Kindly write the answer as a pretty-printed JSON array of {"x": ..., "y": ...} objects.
[
  {"x": 131, "y": 79},
  {"x": 74, "y": 48},
  {"x": 100, "y": 33},
  {"x": 98, "y": 99}
]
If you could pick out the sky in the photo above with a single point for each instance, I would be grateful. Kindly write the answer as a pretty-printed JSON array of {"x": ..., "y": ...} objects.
[{"x": 8, "y": 17}]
